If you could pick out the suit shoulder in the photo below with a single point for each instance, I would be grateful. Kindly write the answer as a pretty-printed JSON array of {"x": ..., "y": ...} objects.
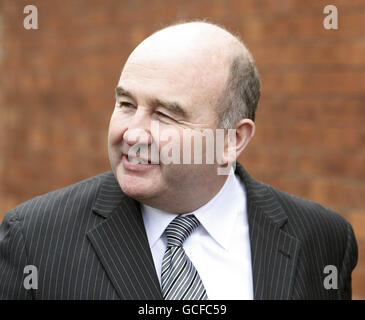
[
  {"x": 81, "y": 192},
  {"x": 312, "y": 212}
]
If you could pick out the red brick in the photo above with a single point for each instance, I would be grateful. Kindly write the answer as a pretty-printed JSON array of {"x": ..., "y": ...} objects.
[
  {"x": 301, "y": 27},
  {"x": 324, "y": 111},
  {"x": 308, "y": 136},
  {"x": 309, "y": 55},
  {"x": 314, "y": 82},
  {"x": 299, "y": 6},
  {"x": 357, "y": 219},
  {"x": 306, "y": 162},
  {"x": 338, "y": 192},
  {"x": 358, "y": 285}
]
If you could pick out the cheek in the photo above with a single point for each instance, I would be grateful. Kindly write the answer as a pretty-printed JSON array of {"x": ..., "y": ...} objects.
[
  {"x": 117, "y": 127},
  {"x": 170, "y": 141}
]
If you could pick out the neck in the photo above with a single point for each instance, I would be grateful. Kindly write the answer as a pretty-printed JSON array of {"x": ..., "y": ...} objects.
[{"x": 190, "y": 200}]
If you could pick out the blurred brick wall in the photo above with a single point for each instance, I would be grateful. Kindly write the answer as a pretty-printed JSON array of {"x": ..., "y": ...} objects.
[{"x": 57, "y": 94}]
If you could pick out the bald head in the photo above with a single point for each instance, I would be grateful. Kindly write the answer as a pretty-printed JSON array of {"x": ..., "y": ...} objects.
[
  {"x": 198, "y": 43},
  {"x": 209, "y": 54},
  {"x": 192, "y": 38}
]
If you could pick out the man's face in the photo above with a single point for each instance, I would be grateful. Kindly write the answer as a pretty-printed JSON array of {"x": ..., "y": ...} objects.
[{"x": 178, "y": 94}]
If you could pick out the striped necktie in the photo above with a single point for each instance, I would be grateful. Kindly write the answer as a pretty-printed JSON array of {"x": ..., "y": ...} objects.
[{"x": 179, "y": 278}]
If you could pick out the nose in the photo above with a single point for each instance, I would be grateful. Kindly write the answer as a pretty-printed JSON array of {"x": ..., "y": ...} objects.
[{"x": 138, "y": 130}]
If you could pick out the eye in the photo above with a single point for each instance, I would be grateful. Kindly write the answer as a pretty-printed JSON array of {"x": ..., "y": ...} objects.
[
  {"x": 163, "y": 115},
  {"x": 123, "y": 104}
]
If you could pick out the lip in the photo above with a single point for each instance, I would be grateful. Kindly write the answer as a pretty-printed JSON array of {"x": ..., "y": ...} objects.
[{"x": 136, "y": 166}]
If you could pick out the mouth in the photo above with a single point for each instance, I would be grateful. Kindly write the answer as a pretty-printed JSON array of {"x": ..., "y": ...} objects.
[
  {"x": 136, "y": 164},
  {"x": 137, "y": 160}
]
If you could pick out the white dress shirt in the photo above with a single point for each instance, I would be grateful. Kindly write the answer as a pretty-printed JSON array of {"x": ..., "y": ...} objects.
[{"x": 219, "y": 248}]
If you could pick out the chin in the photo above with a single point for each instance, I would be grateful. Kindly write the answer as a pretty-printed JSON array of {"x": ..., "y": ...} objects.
[{"x": 137, "y": 187}]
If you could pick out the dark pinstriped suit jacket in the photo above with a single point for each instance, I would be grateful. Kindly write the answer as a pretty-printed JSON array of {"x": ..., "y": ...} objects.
[{"x": 88, "y": 242}]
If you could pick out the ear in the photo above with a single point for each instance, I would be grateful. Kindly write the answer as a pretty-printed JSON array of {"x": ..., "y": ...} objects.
[{"x": 237, "y": 140}]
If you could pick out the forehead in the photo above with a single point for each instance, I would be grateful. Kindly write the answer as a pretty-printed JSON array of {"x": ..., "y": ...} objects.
[{"x": 188, "y": 78}]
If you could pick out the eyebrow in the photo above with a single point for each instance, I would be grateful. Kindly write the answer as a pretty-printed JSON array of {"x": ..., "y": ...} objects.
[
  {"x": 119, "y": 91},
  {"x": 174, "y": 107}
]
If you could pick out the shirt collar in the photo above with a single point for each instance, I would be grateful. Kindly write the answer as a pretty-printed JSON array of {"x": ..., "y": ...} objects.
[
  {"x": 218, "y": 216},
  {"x": 155, "y": 221}
]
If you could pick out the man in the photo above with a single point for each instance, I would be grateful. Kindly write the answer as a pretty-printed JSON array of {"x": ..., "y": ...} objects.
[{"x": 152, "y": 229}]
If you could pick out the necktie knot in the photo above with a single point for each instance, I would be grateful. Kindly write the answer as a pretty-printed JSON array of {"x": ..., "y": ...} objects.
[{"x": 179, "y": 229}]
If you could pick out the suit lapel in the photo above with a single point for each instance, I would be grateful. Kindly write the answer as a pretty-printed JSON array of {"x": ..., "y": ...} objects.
[
  {"x": 274, "y": 252},
  {"x": 120, "y": 241}
]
